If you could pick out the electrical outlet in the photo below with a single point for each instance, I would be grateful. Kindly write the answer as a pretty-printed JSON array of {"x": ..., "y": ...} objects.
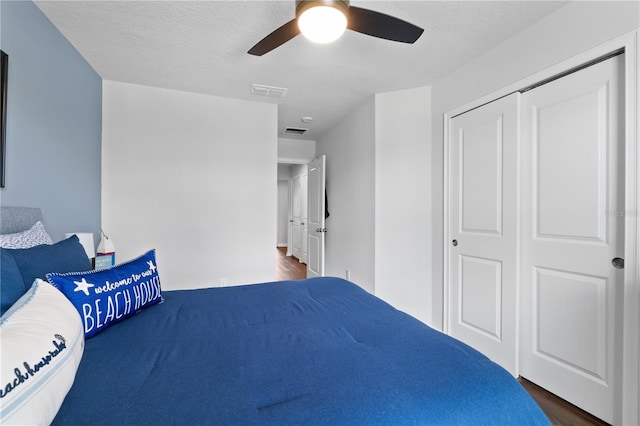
[{"x": 347, "y": 274}]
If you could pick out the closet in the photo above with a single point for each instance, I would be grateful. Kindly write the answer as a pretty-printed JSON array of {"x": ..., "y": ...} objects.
[{"x": 536, "y": 233}]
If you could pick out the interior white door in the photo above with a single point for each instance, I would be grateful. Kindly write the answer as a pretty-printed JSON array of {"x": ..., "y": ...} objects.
[
  {"x": 317, "y": 229},
  {"x": 483, "y": 147},
  {"x": 573, "y": 177},
  {"x": 296, "y": 228},
  {"x": 304, "y": 219}
]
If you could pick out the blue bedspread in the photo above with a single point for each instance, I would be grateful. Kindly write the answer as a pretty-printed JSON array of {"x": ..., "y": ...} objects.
[{"x": 319, "y": 351}]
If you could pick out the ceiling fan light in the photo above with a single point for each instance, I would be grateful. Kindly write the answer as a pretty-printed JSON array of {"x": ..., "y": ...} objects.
[{"x": 322, "y": 24}]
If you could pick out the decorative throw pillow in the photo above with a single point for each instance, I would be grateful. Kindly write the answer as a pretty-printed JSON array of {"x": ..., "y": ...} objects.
[
  {"x": 65, "y": 256},
  {"x": 26, "y": 239},
  {"x": 42, "y": 344},
  {"x": 106, "y": 296},
  {"x": 11, "y": 284}
]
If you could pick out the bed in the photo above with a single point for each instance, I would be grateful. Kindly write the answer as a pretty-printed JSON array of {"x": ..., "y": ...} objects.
[{"x": 315, "y": 351}]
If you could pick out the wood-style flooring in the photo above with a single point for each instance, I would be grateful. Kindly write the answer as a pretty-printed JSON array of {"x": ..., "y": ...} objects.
[
  {"x": 288, "y": 267},
  {"x": 559, "y": 411}
]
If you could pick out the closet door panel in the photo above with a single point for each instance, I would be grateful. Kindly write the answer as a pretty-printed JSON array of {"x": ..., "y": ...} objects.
[
  {"x": 480, "y": 166},
  {"x": 482, "y": 229},
  {"x": 573, "y": 174},
  {"x": 570, "y": 196}
]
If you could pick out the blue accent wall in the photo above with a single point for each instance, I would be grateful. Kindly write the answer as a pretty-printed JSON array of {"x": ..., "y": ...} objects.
[{"x": 54, "y": 124}]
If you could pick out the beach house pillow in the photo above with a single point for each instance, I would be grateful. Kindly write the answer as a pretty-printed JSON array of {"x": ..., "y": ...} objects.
[
  {"x": 42, "y": 344},
  {"x": 34, "y": 236},
  {"x": 65, "y": 256},
  {"x": 106, "y": 296}
]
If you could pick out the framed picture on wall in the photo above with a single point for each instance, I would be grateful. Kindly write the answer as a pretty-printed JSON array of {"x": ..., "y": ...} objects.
[{"x": 4, "y": 70}]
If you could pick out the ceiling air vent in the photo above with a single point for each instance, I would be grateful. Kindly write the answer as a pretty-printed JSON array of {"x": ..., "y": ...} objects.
[
  {"x": 294, "y": 131},
  {"x": 271, "y": 91}
]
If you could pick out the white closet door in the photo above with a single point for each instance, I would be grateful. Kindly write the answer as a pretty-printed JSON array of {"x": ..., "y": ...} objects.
[
  {"x": 482, "y": 220},
  {"x": 572, "y": 196}
]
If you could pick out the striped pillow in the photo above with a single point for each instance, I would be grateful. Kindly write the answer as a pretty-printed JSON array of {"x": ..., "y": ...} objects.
[{"x": 42, "y": 344}]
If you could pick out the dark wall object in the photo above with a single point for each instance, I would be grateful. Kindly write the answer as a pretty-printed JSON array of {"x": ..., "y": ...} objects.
[{"x": 4, "y": 70}]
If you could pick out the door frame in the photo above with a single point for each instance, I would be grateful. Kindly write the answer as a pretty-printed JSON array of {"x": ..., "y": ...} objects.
[{"x": 630, "y": 389}]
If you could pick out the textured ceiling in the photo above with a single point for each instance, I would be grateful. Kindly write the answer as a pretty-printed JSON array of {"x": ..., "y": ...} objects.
[{"x": 200, "y": 46}]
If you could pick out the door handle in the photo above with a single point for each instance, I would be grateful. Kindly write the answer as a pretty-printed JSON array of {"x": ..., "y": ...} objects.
[
  {"x": 617, "y": 263},
  {"x": 454, "y": 243}
]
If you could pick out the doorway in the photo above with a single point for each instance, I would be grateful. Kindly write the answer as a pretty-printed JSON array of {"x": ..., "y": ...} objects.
[
  {"x": 297, "y": 213},
  {"x": 292, "y": 224},
  {"x": 288, "y": 267}
]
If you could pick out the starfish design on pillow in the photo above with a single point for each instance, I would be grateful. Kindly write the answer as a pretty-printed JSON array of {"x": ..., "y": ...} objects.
[
  {"x": 83, "y": 286},
  {"x": 152, "y": 267}
]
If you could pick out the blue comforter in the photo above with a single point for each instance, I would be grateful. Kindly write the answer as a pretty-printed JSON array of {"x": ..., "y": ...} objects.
[{"x": 318, "y": 351}]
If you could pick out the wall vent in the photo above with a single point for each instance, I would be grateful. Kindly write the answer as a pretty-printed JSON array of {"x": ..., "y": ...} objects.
[
  {"x": 294, "y": 131},
  {"x": 271, "y": 91}
]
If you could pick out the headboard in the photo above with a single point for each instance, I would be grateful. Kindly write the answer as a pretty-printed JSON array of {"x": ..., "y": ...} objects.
[{"x": 16, "y": 219}]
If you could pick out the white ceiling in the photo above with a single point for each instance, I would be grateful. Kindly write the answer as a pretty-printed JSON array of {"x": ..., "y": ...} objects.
[{"x": 200, "y": 46}]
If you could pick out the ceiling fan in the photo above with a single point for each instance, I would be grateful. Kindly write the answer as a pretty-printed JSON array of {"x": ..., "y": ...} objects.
[{"x": 314, "y": 19}]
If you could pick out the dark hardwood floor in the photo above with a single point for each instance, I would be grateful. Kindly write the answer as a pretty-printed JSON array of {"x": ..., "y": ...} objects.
[
  {"x": 559, "y": 411},
  {"x": 288, "y": 267}
]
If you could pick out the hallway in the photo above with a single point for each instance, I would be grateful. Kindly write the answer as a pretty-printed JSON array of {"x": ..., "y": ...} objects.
[{"x": 289, "y": 267}]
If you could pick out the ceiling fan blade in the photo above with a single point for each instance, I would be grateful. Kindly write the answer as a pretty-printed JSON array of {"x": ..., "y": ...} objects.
[
  {"x": 379, "y": 25},
  {"x": 278, "y": 37}
]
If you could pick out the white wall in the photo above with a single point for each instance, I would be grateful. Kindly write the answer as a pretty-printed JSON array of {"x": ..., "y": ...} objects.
[
  {"x": 299, "y": 170},
  {"x": 193, "y": 176},
  {"x": 284, "y": 171},
  {"x": 403, "y": 200},
  {"x": 283, "y": 213},
  {"x": 571, "y": 30},
  {"x": 349, "y": 148},
  {"x": 296, "y": 151},
  {"x": 284, "y": 175}
]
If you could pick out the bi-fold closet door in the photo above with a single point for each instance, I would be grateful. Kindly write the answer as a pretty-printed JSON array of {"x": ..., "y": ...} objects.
[{"x": 536, "y": 184}]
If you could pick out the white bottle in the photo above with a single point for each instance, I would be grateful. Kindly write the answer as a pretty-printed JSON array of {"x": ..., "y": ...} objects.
[{"x": 106, "y": 253}]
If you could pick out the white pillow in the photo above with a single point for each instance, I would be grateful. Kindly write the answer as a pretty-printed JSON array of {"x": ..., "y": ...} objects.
[
  {"x": 34, "y": 236},
  {"x": 42, "y": 344}
]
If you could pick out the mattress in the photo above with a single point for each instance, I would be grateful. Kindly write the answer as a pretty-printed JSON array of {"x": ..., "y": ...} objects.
[{"x": 317, "y": 351}]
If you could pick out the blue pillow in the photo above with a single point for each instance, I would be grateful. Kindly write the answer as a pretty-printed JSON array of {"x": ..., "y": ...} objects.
[
  {"x": 65, "y": 256},
  {"x": 11, "y": 284},
  {"x": 106, "y": 296}
]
